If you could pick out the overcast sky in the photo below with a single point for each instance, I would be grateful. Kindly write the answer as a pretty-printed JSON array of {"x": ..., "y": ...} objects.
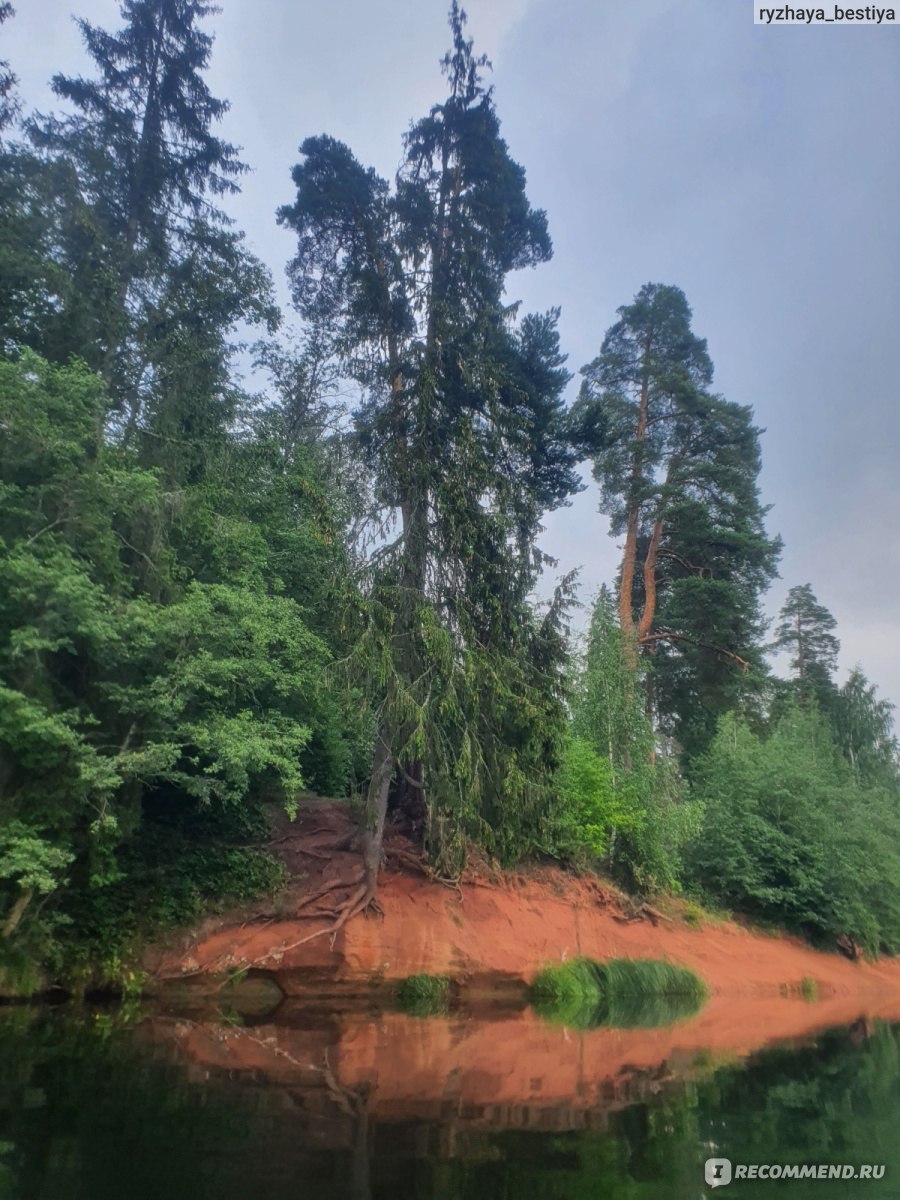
[{"x": 671, "y": 141}]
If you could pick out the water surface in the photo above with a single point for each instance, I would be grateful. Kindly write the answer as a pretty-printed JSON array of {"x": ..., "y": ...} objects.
[{"x": 318, "y": 1105}]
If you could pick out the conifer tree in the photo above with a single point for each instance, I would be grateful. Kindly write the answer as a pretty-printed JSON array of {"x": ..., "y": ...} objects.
[
  {"x": 677, "y": 467},
  {"x": 9, "y": 105},
  {"x": 461, "y": 427},
  {"x": 145, "y": 248},
  {"x": 806, "y": 630}
]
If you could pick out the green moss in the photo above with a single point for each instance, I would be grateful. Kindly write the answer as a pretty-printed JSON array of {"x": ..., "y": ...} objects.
[
  {"x": 424, "y": 995},
  {"x": 809, "y": 989},
  {"x": 623, "y": 992}
]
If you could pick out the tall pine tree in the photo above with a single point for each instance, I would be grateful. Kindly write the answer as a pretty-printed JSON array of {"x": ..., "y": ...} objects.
[
  {"x": 462, "y": 429},
  {"x": 677, "y": 467},
  {"x": 806, "y": 631}
]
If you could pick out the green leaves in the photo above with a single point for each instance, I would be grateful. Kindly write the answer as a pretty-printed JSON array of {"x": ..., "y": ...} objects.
[
  {"x": 30, "y": 860},
  {"x": 790, "y": 836},
  {"x": 462, "y": 427},
  {"x": 121, "y": 678}
]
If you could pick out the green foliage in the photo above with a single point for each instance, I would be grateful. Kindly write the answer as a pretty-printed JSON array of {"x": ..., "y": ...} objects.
[
  {"x": 620, "y": 801},
  {"x": 29, "y": 860},
  {"x": 677, "y": 467},
  {"x": 188, "y": 861},
  {"x": 210, "y": 601},
  {"x": 791, "y": 835},
  {"x": 461, "y": 426},
  {"x": 9, "y": 104},
  {"x": 863, "y": 728},
  {"x": 622, "y": 992},
  {"x": 147, "y": 278},
  {"x": 806, "y": 631},
  {"x": 595, "y": 809},
  {"x": 809, "y": 989},
  {"x": 424, "y": 995},
  {"x": 123, "y": 678}
]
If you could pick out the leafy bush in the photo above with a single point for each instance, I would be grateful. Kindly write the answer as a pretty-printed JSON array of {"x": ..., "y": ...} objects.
[
  {"x": 594, "y": 808},
  {"x": 790, "y": 834},
  {"x": 620, "y": 801}
]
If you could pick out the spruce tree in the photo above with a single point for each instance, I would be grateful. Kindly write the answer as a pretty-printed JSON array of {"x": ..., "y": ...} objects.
[
  {"x": 9, "y": 105},
  {"x": 461, "y": 428},
  {"x": 143, "y": 245}
]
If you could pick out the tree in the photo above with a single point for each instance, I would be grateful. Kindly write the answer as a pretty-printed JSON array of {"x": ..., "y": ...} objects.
[
  {"x": 805, "y": 630},
  {"x": 461, "y": 427},
  {"x": 618, "y": 797},
  {"x": 9, "y": 105},
  {"x": 677, "y": 468},
  {"x": 864, "y": 729},
  {"x": 606, "y": 708},
  {"x": 146, "y": 666},
  {"x": 149, "y": 263}
]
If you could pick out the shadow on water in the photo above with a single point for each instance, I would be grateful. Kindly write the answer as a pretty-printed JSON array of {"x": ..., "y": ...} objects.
[{"x": 373, "y": 1105}]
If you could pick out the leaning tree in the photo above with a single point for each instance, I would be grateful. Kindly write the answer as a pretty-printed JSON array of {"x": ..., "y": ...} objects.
[{"x": 461, "y": 427}]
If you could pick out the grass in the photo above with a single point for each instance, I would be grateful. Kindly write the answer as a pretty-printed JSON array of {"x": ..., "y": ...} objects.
[
  {"x": 627, "y": 993},
  {"x": 809, "y": 989},
  {"x": 696, "y": 912},
  {"x": 424, "y": 995}
]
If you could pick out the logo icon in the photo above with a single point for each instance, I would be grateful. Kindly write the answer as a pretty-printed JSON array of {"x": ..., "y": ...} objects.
[{"x": 718, "y": 1171}]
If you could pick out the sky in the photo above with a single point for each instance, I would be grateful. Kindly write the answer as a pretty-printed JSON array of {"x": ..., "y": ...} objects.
[{"x": 670, "y": 141}]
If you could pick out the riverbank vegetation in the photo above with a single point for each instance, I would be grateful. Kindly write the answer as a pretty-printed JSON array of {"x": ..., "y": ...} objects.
[
  {"x": 622, "y": 992},
  {"x": 224, "y": 584}
]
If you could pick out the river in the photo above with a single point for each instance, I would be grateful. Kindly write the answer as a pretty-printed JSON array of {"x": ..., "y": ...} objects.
[{"x": 364, "y": 1104}]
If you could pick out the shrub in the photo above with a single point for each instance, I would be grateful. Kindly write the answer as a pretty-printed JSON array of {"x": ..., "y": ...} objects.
[{"x": 790, "y": 835}]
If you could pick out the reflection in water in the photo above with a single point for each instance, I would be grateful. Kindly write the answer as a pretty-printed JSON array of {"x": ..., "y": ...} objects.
[{"x": 322, "y": 1107}]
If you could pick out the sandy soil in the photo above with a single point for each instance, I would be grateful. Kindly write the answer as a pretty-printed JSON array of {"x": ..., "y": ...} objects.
[{"x": 507, "y": 927}]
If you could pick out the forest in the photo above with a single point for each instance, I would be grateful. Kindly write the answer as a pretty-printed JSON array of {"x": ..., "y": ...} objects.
[{"x": 248, "y": 556}]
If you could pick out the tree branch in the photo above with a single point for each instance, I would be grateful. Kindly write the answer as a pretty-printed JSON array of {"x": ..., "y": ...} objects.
[{"x": 667, "y": 635}]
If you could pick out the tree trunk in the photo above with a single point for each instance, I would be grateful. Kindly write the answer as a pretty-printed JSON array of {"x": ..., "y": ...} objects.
[
  {"x": 17, "y": 912},
  {"x": 376, "y": 813},
  {"x": 649, "y": 613},
  {"x": 629, "y": 556}
]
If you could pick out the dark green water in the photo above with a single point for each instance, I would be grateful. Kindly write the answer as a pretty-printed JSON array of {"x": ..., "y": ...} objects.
[{"x": 98, "y": 1108}]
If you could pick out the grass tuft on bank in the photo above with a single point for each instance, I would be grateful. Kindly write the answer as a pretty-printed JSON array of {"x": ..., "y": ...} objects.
[
  {"x": 627, "y": 993},
  {"x": 424, "y": 995}
]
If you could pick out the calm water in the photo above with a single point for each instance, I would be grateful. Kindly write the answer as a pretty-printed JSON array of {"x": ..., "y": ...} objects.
[{"x": 105, "y": 1108}]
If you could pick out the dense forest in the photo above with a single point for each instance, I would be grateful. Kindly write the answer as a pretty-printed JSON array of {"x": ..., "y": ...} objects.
[{"x": 219, "y": 596}]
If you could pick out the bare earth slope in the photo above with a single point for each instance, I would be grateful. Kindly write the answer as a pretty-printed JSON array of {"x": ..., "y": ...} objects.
[{"x": 491, "y": 925}]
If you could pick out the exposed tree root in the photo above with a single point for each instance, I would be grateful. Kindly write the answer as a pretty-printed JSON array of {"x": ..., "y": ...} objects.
[
  {"x": 336, "y": 885},
  {"x": 314, "y": 854},
  {"x": 360, "y": 901}
]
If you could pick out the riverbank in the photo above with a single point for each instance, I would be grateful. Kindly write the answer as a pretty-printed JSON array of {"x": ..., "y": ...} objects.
[{"x": 493, "y": 928}]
